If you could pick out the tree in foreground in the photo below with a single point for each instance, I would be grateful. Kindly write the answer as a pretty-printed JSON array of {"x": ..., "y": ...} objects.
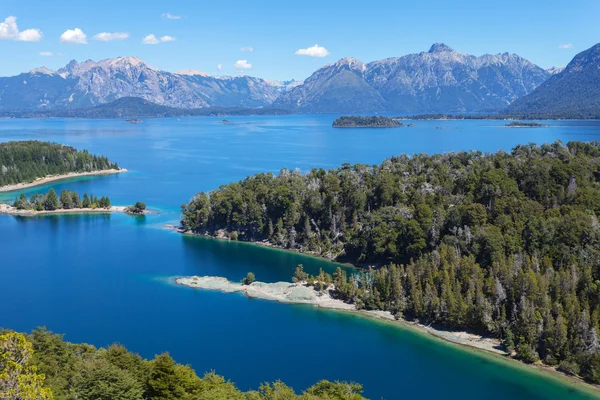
[{"x": 18, "y": 379}]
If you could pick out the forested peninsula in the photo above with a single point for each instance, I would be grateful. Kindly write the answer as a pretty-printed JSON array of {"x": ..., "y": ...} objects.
[
  {"x": 24, "y": 164},
  {"x": 366, "y": 122},
  {"x": 42, "y": 366},
  {"x": 505, "y": 244}
]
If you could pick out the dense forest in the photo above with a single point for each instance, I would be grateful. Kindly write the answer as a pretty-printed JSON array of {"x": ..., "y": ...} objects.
[
  {"x": 25, "y": 161},
  {"x": 42, "y": 366},
  {"x": 506, "y": 244},
  {"x": 68, "y": 200}
]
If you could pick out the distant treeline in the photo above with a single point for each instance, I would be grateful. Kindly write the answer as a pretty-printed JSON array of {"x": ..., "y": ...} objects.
[
  {"x": 506, "y": 116},
  {"x": 22, "y": 162},
  {"x": 42, "y": 366},
  {"x": 506, "y": 244},
  {"x": 134, "y": 107},
  {"x": 355, "y": 121},
  {"x": 68, "y": 200}
]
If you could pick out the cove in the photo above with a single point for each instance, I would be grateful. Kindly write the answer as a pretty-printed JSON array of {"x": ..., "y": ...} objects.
[{"x": 107, "y": 278}]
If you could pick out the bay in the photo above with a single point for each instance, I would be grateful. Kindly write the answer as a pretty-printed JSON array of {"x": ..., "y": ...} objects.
[{"x": 109, "y": 278}]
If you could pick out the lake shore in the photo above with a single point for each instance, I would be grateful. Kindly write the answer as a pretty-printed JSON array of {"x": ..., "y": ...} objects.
[
  {"x": 299, "y": 293},
  {"x": 53, "y": 178}
]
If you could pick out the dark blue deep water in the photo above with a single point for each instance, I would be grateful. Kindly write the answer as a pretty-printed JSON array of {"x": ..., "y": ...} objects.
[{"x": 108, "y": 278}]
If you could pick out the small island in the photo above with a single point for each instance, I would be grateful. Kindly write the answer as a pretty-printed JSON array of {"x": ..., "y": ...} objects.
[
  {"x": 67, "y": 202},
  {"x": 366, "y": 122},
  {"x": 133, "y": 121},
  {"x": 528, "y": 124}
]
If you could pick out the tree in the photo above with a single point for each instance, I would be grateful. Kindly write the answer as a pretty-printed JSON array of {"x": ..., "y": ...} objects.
[
  {"x": 300, "y": 275},
  {"x": 76, "y": 200},
  {"x": 137, "y": 208},
  {"x": 51, "y": 202},
  {"x": 248, "y": 279},
  {"x": 18, "y": 379},
  {"x": 66, "y": 199},
  {"x": 163, "y": 383},
  {"x": 98, "y": 379},
  {"x": 86, "y": 201}
]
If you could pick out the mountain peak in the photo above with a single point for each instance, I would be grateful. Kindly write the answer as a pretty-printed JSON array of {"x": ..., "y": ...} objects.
[
  {"x": 192, "y": 72},
  {"x": 42, "y": 70},
  {"x": 440, "y": 48}
]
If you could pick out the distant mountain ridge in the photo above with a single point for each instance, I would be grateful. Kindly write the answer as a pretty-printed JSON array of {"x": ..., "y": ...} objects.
[
  {"x": 87, "y": 84},
  {"x": 439, "y": 80},
  {"x": 573, "y": 92}
]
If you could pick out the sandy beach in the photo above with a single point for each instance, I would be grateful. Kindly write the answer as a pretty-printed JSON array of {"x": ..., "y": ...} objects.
[
  {"x": 298, "y": 293},
  {"x": 52, "y": 178}
]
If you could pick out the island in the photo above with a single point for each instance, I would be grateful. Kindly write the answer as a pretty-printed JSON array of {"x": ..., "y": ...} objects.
[
  {"x": 527, "y": 124},
  {"x": 25, "y": 164},
  {"x": 133, "y": 121},
  {"x": 67, "y": 202},
  {"x": 498, "y": 244},
  {"x": 366, "y": 122}
]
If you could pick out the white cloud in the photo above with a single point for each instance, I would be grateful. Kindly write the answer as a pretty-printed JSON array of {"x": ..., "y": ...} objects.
[
  {"x": 46, "y": 53},
  {"x": 247, "y": 48},
  {"x": 73, "y": 36},
  {"x": 242, "y": 64},
  {"x": 170, "y": 16},
  {"x": 220, "y": 67},
  {"x": 315, "y": 51},
  {"x": 152, "y": 39},
  {"x": 10, "y": 31},
  {"x": 109, "y": 36},
  {"x": 565, "y": 46}
]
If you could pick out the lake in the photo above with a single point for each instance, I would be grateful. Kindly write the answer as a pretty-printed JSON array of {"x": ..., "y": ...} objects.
[{"x": 109, "y": 278}]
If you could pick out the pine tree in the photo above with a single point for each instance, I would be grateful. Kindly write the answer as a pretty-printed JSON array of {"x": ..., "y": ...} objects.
[
  {"x": 51, "y": 202},
  {"x": 86, "y": 201}
]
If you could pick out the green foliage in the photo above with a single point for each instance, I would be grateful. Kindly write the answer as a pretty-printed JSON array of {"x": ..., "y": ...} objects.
[
  {"x": 68, "y": 200},
  {"x": 79, "y": 371},
  {"x": 506, "y": 244},
  {"x": 19, "y": 379},
  {"x": 248, "y": 279},
  {"x": 137, "y": 208},
  {"x": 22, "y": 162}
]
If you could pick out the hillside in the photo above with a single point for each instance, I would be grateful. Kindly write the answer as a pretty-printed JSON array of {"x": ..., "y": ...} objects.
[
  {"x": 572, "y": 93},
  {"x": 505, "y": 244},
  {"x": 439, "y": 80}
]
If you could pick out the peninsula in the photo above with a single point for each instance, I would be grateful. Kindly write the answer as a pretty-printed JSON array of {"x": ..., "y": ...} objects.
[
  {"x": 31, "y": 163},
  {"x": 462, "y": 240},
  {"x": 366, "y": 122}
]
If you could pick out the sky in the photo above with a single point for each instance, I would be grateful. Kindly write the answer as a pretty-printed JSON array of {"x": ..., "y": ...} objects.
[{"x": 285, "y": 39}]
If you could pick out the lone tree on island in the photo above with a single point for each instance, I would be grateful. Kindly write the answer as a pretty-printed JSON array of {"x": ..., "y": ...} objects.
[{"x": 248, "y": 279}]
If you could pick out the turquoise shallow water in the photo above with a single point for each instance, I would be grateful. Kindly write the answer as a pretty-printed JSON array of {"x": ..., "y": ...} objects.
[{"x": 108, "y": 278}]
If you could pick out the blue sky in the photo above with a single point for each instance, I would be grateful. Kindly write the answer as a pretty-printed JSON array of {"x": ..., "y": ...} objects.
[{"x": 213, "y": 33}]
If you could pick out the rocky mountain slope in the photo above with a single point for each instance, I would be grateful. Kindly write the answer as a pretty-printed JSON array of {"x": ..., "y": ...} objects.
[
  {"x": 572, "y": 93},
  {"x": 439, "y": 80},
  {"x": 90, "y": 83}
]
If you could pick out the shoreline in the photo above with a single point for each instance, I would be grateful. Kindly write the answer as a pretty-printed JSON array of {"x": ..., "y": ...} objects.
[
  {"x": 53, "y": 178},
  {"x": 6, "y": 209},
  {"x": 266, "y": 244},
  {"x": 298, "y": 293}
]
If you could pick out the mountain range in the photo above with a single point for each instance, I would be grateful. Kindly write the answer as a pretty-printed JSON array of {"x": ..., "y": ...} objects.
[
  {"x": 573, "y": 92},
  {"x": 440, "y": 80}
]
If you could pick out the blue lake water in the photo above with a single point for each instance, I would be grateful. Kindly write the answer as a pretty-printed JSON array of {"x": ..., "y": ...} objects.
[{"x": 108, "y": 278}]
